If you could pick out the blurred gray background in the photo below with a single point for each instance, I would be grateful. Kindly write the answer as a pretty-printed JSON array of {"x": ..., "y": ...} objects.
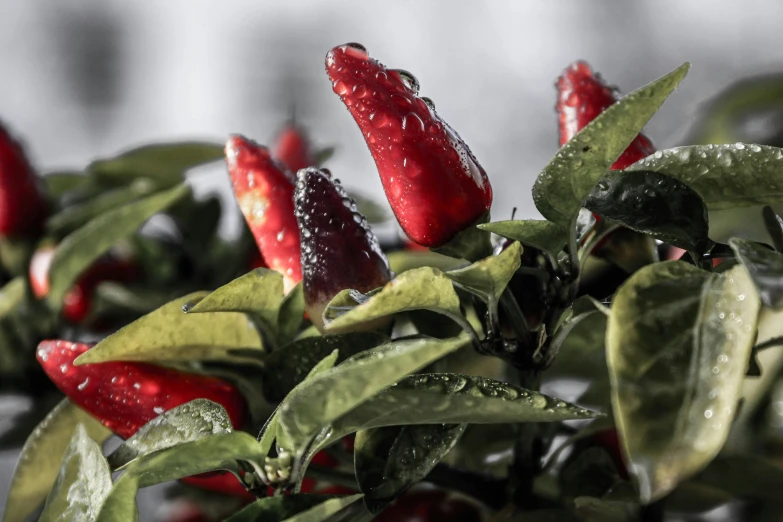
[{"x": 81, "y": 79}]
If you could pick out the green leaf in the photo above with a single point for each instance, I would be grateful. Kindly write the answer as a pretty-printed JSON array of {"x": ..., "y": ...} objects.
[
  {"x": 39, "y": 460},
  {"x": 191, "y": 421},
  {"x": 259, "y": 294},
  {"x": 163, "y": 163},
  {"x": 421, "y": 288},
  {"x": 489, "y": 277},
  {"x": 765, "y": 267},
  {"x": 371, "y": 210},
  {"x": 80, "y": 249},
  {"x": 73, "y": 217},
  {"x": 543, "y": 235},
  {"x": 291, "y": 315},
  {"x": 576, "y": 168},
  {"x": 82, "y": 484},
  {"x": 472, "y": 243},
  {"x": 276, "y": 509},
  {"x": 285, "y": 368},
  {"x": 404, "y": 260},
  {"x": 331, "y": 394},
  {"x": 325, "y": 510},
  {"x": 654, "y": 204},
  {"x": 12, "y": 295},
  {"x": 168, "y": 334},
  {"x": 774, "y": 225},
  {"x": 388, "y": 460},
  {"x": 453, "y": 399},
  {"x": 678, "y": 343},
  {"x": 744, "y": 476},
  {"x": 59, "y": 183},
  {"x": 725, "y": 176}
]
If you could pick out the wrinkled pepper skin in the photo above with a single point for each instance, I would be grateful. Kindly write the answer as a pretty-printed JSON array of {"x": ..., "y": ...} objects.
[
  {"x": 581, "y": 96},
  {"x": 339, "y": 249},
  {"x": 433, "y": 182},
  {"x": 22, "y": 207},
  {"x": 124, "y": 396},
  {"x": 265, "y": 192},
  {"x": 292, "y": 148}
]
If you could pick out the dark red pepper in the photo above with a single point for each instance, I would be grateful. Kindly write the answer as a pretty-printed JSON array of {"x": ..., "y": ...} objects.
[
  {"x": 292, "y": 148},
  {"x": 22, "y": 207},
  {"x": 339, "y": 250},
  {"x": 265, "y": 191},
  {"x": 124, "y": 396},
  {"x": 609, "y": 440},
  {"x": 581, "y": 96},
  {"x": 433, "y": 182}
]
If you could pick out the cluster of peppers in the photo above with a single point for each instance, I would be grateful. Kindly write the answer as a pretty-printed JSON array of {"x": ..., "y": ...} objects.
[{"x": 309, "y": 230}]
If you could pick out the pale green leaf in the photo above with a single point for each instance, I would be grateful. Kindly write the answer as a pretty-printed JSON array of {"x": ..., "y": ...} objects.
[{"x": 543, "y": 235}]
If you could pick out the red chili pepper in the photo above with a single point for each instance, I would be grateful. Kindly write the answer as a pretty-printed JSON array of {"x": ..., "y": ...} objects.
[
  {"x": 78, "y": 301},
  {"x": 433, "y": 182},
  {"x": 582, "y": 96},
  {"x": 265, "y": 192},
  {"x": 292, "y": 148},
  {"x": 22, "y": 207},
  {"x": 610, "y": 441},
  {"x": 339, "y": 249},
  {"x": 124, "y": 396}
]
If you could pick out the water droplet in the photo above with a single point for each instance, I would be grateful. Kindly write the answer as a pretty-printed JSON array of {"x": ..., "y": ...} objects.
[
  {"x": 409, "y": 80},
  {"x": 428, "y": 102},
  {"x": 739, "y": 146},
  {"x": 358, "y": 46}
]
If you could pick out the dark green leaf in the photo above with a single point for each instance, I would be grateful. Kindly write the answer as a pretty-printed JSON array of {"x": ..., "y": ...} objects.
[
  {"x": 403, "y": 260},
  {"x": 472, "y": 243},
  {"x": 326, "y": 510},
  {"x": 287, "y": 367},
  {"x": 693, "y": 497},
  {"x": 489, "y": 277},
  {"x": 371, "y": 210},
  {"x": 168, "y": 334},
  {"x": 58, "y": 183},
  {"x": 422, "y": 288},
  {"x": 188, "y": 422},
  {"x": 744, "y": 477},
  {"x": 332, "y": 394},
  {"x": 654, "y": 204},
  {"x": 765, "y": 267},
  {"x": 567, "y": 180},
  {"x": 678, "y": 343},
  {"x": 590, "y": 509},
  {"x": 82, "y": 484},
  {"x": 388, "y": 460},
  {"x": 725, "y": 176},
  {"x": 75, "y": 216},
  {"x": 39, "y": 461},
  {"x": 591, "y": 472},
  {"x": 322, "y": 155},
  {"x": 276, "y": 509},
  {"x": 163, "y": 163},
  {"x": 774, "y": 225},
  {"x": 291, "y": 315},
  {"x": 80, "y": 249},
  {"x": 537, "y": 233}
]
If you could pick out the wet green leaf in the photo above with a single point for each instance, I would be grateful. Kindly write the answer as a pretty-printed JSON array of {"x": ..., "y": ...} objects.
[
  {"x": 403, "y": 260},
  {"x": 276, "y": 509},
  {"x": 765, "y": 267},
  {"x": 288, "y": 366},
  {"x": 678, "y": 343},
  {"x": 488, "y": 277},
  {"x": 725, "y": 176},
  {"x": 82, "y": 484},
  {"x": 421, "y": 288},
  {"x": 576, "y": 168},
  {"x": 332, "y": 394},
  {"x": 537, "y": 233},
  {"x": 165, "y": 164},
  {"x": 169, "y": 334},
  {"x": 291, "y": 315},
  {"x": 39, "y": 460},
  {"x": 744, "y": 476},
  {"x": 388, "y": 460},
  {"x": 80, "y": 249},
  {"x": 654, "y": 204},
  {"x": 188, "y": 422},
  {"x": 471, "y": 243}
]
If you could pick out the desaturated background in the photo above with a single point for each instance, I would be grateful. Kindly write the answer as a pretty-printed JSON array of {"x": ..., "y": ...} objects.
[{"x": 83, "y": 79}]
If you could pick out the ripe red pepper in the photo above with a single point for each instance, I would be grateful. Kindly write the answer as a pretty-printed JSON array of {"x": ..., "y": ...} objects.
[
  {"x": 581, "y": 96},
  {"x": 293, "y": 149},
  {"x": 265, "y": 193},
  {"x": 339, "y": 250},
  {"x": 124, "y": 396},
  {"x": 22, "y": 207},
  {"x": 78, "y": 301},
  {"x": 433, "y": 182}
]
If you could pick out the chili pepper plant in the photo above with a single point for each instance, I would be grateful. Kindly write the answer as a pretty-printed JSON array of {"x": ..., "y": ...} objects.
[{"x": 308, "y": 371}]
